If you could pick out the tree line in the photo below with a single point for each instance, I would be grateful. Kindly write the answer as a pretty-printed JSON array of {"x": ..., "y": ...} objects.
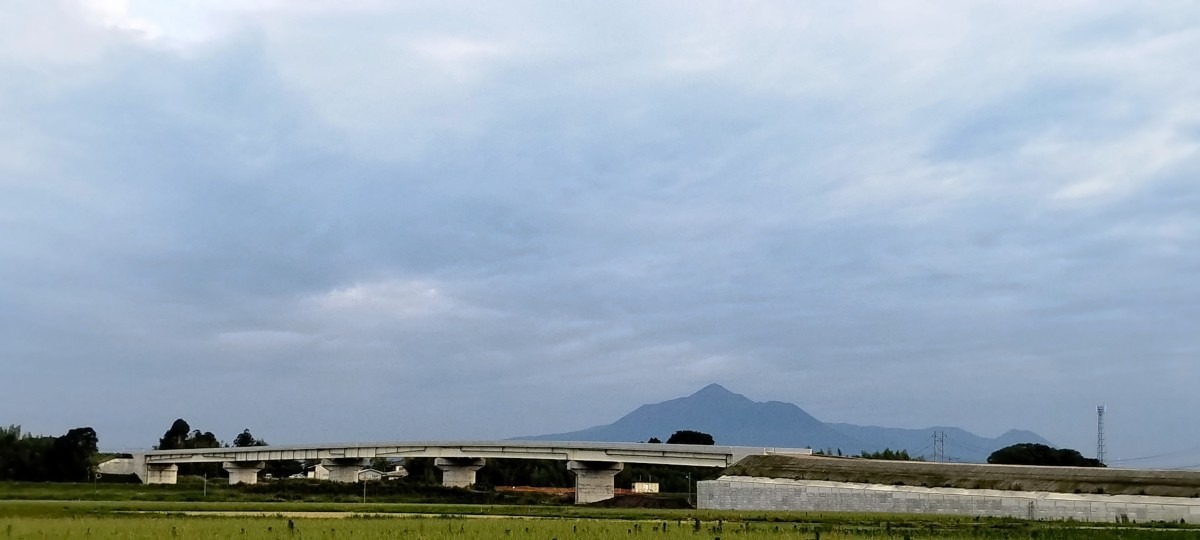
[{"x": 38, "y": 458}]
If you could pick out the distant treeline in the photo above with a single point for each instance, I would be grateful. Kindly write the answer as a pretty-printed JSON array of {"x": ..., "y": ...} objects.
[
  {"x": 69, "y": 458},
  {"x": 886, "y": 454},
  {"x": 1040, "y": 454},
  {"x": 34, "y": 458}
]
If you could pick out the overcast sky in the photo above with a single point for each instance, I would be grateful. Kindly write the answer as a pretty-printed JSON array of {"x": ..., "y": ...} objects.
[{"x": 367, "y": 220}]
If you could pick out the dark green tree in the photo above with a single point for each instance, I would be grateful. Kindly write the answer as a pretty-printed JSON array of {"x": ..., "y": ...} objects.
[
  {"x": 654, "y": 440},
  {"x": 687, "y": 436},
  {"x": 1041, "y": 455},
  {"x": 175, "y": 437},
  {"x": 31, "y": 458},
  {"x": 245, "y": 440},
  {"x": 890, "y": 455},
  {"x": 70, "y": 456},
  {"x": 181, "y": 436}
]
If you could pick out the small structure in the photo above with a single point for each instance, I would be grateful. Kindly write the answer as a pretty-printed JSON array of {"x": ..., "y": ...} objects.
[
  {"x": 645, "y": 487},
  {"x": 370, "y": 475},
  {"x": 317, "y": 472},
  {"x": 396, "y": 473}
]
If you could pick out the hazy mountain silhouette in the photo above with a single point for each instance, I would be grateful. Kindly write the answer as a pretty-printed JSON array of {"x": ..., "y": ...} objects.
[{"x": 734, "y": 419}]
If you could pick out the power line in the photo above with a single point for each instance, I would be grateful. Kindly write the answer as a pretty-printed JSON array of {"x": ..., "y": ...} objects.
[
  {"x": 964, "y": 445},
  {"x": 1188, "y": 451}
]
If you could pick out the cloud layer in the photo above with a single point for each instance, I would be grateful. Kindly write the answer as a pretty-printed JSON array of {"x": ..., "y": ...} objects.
[{"x": 443, "y": 220}]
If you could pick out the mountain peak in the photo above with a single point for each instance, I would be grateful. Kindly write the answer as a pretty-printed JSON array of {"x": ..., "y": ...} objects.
[
  {"x": 734, "y": 419},
  {"x": 713, "y": 390}
]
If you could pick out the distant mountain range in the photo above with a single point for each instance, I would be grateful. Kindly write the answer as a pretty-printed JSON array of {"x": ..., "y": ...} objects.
[{"x": 733, "y": 419}]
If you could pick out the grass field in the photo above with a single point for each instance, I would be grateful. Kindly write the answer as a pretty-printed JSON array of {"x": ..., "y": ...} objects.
[
  {"x": 53, "y": 511},
  {"x": 433, "y": 528}
]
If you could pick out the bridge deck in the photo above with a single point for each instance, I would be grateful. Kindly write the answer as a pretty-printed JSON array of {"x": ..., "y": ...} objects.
[{"x": 661, "y": 454}]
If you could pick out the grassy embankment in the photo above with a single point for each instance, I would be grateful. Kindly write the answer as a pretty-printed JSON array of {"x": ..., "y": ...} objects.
[
  {"x": 137, "y": 511},
  {"x": 974, "y": 476}
]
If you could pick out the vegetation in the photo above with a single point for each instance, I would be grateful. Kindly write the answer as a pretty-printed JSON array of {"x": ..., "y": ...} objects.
[
  {"x": 245, "y": 439},
  {"x": 890, "y": 455},
  {"x": 180, "y": 435},
  {"x": 1040, "y": 454},
  {"x": 33, "y": 458},
  {"x": 687, "y": 436},
  {"x": 886, "y": 454},
  {"x": 566, "y": 524}
]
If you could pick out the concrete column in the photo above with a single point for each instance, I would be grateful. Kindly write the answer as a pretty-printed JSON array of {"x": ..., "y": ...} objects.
[
  {"x": 161, "y": 473},
  {"x": 343, "y": 470},
  {"x": 243, "y": 472},
  {"x": 594, "y": 480},
  {"x": 458, "y": 472}
]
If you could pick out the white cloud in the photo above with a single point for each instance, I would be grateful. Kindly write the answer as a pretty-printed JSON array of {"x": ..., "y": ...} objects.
[
  {"x": 388, "y": 299},
  {"x": 551, "y": 200}
]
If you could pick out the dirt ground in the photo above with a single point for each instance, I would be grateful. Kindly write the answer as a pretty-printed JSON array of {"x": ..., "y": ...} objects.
[{"x": 973, "y": 476}]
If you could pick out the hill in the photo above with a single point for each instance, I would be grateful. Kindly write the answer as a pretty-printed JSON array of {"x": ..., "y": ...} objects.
[{"x": 734, "y": 419}]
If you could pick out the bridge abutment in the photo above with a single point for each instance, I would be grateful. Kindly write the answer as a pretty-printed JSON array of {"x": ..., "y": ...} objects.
[
  {"x": 343, "y": 470},
  {"x": 594, "y": 480},
  {"x": 243, "y": 472},
  {"x": 458, "y": 472},
  {"x": 161, "y": 473}
]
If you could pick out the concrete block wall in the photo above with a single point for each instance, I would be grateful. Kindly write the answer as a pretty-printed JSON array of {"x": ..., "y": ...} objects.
[{"x": 749, "y": 493}]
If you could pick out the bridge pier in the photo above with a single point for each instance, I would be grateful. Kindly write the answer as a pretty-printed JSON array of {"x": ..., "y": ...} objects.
[
  {"x": 162, "y": 474},
  {"x": 343, "y": 469},
  {"x": 594, "y": 480},
  {"x": 458, "y": 472},
  {"x": 243, "y": 472}
]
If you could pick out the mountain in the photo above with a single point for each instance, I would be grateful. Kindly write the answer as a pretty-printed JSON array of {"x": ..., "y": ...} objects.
[{"x": 734, "y": 419}]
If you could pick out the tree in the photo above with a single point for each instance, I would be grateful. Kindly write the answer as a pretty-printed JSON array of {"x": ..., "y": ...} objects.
[
  {"x": 687, "y": 436},
  {"x": 654, "y": 440},
  {"x": 182, "y": 436},
  {"x": 175, "y": 437},
  {"x": 202, "y": 440},
  {"x": 29, "y": 458},
  {"x": 1041, "y": 455},
  {"x": 890, "y": 455},
  {"x": 70, "y": 456},
  {"x": 245, "y": 440}
]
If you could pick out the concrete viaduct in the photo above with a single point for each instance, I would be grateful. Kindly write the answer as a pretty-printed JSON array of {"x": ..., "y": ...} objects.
[{"x": 595, "y": 464}]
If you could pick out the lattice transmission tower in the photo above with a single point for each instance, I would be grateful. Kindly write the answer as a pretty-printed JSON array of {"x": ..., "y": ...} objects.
[{"x": 1100, "y": 433}]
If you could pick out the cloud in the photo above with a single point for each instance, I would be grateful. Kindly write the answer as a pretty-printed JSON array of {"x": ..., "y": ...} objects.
[{"x": 531, "y": 218}]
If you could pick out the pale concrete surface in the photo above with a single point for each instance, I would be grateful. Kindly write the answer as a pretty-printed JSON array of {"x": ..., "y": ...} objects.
[
  {"x": 458, "y": 472},
  {"x": 594, "y": 481},
  {"x": 161, "y": 473},
  {"x": 751, "y": 493},
  {"x": 660, "y": 454},
  {"x": 117, "y": 466},
  {"x": 243, "y": 472},
  {"x": 344, "y": 470}
]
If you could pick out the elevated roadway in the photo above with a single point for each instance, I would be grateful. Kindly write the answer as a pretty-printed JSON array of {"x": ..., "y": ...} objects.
[{"x": 595, "y": 464}]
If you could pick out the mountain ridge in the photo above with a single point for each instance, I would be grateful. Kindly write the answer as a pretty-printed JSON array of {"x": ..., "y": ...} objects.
[{"x": 736, "y": 420}]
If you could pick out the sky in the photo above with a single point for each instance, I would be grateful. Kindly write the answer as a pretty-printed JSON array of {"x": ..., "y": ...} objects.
[{"x": 371, "y": 220}]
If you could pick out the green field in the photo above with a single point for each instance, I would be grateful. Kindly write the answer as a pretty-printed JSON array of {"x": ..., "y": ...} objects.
[
  {"x": 446, "y": 527},
  {"x": 53, "y": 511}
]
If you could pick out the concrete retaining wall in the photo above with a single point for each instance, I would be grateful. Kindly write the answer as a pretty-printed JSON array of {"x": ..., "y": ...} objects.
[{"x": 750, "y": 493}]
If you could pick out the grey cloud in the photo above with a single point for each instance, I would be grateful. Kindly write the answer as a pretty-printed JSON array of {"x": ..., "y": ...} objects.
[{"x": 474, "y": 228}]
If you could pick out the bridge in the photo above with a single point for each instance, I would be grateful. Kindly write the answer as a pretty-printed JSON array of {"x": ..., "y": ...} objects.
[{"x": 595, "y": 464}]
